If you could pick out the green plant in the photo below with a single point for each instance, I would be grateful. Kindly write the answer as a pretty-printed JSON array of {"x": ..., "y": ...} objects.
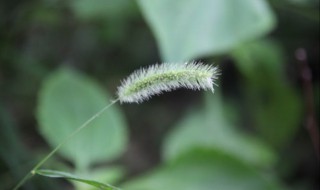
[
  {"x": 251, "y": 134},
  {"x": 138, "y": 87}
]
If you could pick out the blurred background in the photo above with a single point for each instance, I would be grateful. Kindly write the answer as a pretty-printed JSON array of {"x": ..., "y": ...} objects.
[{"x": 61, "y": 61}]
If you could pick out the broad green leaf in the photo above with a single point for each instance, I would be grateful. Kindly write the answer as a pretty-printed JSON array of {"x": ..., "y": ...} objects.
[
  {"x": 204, "y": 170},
  {"x": 212, "y": 129},
  {"x": 273, "y": 104},
  {"x": 60, "y": 174},
  {"x": 66, "y": 101},
  {"x": 188, "y": 29}
]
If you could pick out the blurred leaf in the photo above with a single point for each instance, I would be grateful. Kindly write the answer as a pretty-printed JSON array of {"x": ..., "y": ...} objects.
[
  {"x": 304, "y": 2},
  {"x": 111, "y": 9},
  {"x": 114, "y": 17},
  {"x": 11, "y": 146},
  {"x": 111, "y": 174},
  {"x": 103, "y": 174},
  {"x": 189, "y": 29},
  {"x": 12, "y": 151},
  {"x": 14, "y": 157},
  {"x": 308, "y": 9},
  {"x": 66, "y": 101},
  {"x": 46, "y": 16},
  {"x": 212, "y": 129},
  {"x": 274, "y": 105},
  {"x": 253, "y": 58},
  {"x": 59, "y": 174},
  {"x": 203, "y": 170}
]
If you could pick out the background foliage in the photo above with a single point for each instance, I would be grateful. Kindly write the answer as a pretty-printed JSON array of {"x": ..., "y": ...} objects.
[{"x": 61, "y": 61}]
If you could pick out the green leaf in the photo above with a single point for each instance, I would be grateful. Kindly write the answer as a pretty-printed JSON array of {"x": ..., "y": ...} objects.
[
  {"x": 212, "y": 129},
  {"x": 204, "y": 170},
  {"x": 103, "y": 174},
  {"x": 274, "y": 105},
  {"x": 65, "y": 175},
  {"x": 111, "y": 174},
  {"x": 259, "y": 57},
  {"x": 66, "y": 101},
  {"x": 188, "y": 29},
  {"x": 101, "y": 9}
]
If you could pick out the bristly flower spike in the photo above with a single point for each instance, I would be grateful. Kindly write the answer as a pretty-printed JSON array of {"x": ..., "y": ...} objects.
[{"x": 144, "y": 83}]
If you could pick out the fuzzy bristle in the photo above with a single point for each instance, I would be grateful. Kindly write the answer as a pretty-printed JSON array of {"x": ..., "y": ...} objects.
[{"x": 155, "y": 79}]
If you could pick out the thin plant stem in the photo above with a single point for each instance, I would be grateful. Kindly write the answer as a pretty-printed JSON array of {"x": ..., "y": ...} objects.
[
  {"x": 311, "y": 121},
  {"x": 67, "y": 139}
]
